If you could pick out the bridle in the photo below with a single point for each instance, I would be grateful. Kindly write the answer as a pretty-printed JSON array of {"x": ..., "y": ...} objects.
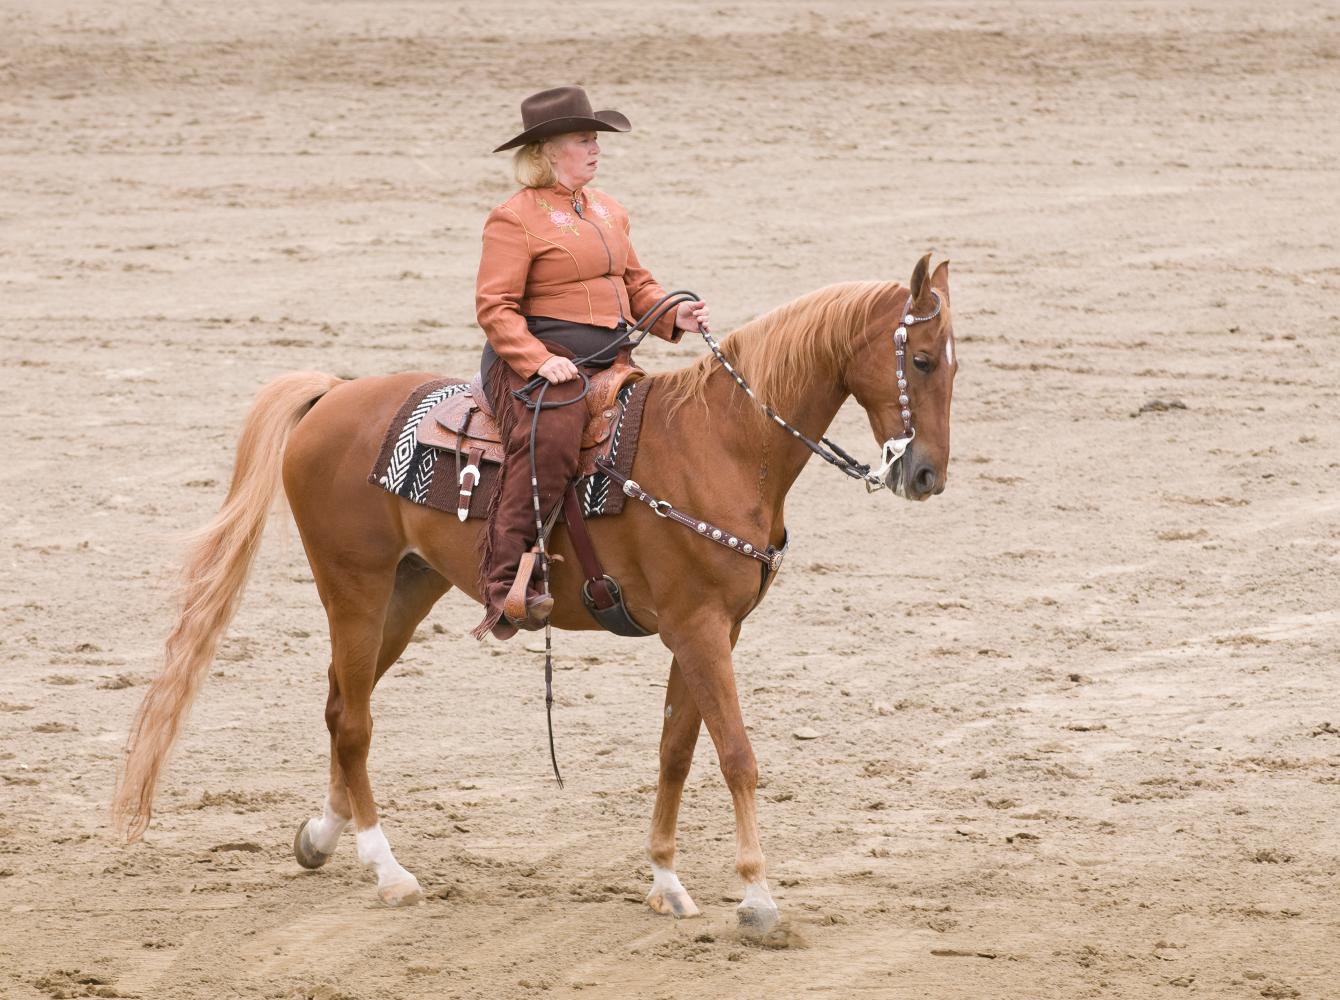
[
  {"x": 893, "y": 448},
  {"x": 830, "y": 451}
]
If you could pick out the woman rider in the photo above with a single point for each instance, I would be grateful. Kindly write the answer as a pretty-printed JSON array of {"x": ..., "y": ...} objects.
[{"x": 558, "y": 279}]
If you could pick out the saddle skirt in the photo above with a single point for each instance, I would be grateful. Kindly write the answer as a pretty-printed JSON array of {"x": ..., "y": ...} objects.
[{"x": 464, "y": 422}]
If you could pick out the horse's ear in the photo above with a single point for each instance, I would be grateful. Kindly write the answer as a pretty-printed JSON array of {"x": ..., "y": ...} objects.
[
  {"x": 940, "y": 279},
  {"x": 919, "y": 285}
]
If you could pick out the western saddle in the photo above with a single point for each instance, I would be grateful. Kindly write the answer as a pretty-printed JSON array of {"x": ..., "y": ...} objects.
[{"x": 465, "y": 423}]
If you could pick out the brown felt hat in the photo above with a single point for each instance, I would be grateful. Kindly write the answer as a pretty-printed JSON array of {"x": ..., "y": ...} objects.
[{"x": 563, "y": 109}]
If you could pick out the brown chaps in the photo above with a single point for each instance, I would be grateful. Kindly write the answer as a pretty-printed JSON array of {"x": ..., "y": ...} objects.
[{"x": 511, "y": 524}]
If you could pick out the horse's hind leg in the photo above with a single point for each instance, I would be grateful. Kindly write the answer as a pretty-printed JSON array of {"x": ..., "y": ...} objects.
[
  {"x": 416, "y": 589},
  {"x": 318, "y": 837},
  {"x": 679, "y": 737}
]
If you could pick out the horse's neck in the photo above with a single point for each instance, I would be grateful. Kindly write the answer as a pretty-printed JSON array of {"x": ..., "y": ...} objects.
[{"x": 761, "y": 450}]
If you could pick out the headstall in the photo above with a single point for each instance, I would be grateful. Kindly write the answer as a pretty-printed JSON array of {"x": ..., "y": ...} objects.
[{"x": 829, "y": 450}]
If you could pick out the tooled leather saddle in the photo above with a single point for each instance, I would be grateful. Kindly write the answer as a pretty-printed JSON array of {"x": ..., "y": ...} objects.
[{"x": 464, "y": 423}]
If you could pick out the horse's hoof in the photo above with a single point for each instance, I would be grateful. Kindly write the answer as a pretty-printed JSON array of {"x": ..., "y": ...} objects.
[
  {"x": 756, "y": 920},
  {"x": 672, "y": 903},
  {"x": 407, "y": 893},
  {"x": 308, "y": 856}
]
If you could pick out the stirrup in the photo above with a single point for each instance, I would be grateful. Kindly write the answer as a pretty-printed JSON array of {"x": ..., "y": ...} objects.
[
  {"x": 538, "y": 609},
  {"x": 521, "y": 607}
]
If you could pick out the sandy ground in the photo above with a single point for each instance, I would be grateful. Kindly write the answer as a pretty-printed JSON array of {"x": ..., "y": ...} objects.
[{"x": 1078, "y": 724}]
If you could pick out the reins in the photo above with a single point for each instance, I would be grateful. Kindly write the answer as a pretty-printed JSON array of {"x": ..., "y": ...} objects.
[
  {"x": 538, "y": 386},
  {"x": 532, "y": 395}
]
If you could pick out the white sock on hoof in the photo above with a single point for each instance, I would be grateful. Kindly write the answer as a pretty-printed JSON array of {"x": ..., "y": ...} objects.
[
  {"x": 324, "y": 833},
  {"x": 375, "y": 851},
  {"x": 757, "y": 897},
  {"x": 665, "y": 881}
]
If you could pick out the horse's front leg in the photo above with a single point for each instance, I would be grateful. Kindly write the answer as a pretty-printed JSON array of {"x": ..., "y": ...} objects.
[
  {"x": 702, "y": 651},
  {"x": 679, "y": 736}
]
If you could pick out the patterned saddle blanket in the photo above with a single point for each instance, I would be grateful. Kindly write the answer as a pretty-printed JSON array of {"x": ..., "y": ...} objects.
[{"x": 417, "y": 463}]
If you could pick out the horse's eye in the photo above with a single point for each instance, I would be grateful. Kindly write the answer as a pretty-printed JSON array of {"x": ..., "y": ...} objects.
[{"x": 922, "y": 362}]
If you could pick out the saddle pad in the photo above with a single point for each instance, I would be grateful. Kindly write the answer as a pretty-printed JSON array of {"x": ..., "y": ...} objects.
[{"x": 428, "y": 476}]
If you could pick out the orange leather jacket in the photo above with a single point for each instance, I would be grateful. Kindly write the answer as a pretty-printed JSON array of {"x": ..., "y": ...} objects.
[{"x": 563, "y": 254}]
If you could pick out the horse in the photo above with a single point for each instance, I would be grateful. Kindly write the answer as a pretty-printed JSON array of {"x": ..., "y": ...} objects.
[{"x": 380, "y": 563}]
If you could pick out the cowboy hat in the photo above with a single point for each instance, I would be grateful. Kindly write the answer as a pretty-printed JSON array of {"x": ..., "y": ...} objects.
[{"x": 563, "y": 109}]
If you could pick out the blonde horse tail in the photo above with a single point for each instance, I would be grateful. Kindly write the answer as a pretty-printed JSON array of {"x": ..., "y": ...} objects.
[{"x": 212, "y": 581}]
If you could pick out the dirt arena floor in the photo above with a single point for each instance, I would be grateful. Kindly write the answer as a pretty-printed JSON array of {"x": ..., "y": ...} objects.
[{"x": 1078, "y": 730}]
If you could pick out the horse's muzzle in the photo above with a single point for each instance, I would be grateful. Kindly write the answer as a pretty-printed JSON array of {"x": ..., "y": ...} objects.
[
  {"x": 914, "y": 482},
  {"x": 925, "y": 482}
]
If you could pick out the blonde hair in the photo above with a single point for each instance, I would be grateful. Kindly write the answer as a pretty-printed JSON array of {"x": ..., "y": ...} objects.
[{"x": 532, "y": 167}]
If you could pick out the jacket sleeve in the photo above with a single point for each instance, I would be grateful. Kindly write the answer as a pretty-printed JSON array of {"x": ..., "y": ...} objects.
[
  {"x": 504, "y": 263},
  {"x": 644, "y": 292}
]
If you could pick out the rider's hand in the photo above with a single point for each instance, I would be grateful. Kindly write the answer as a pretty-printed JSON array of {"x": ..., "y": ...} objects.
[
  {"x": 558, "y": 369},
  {"x": 692, "y": 316}
]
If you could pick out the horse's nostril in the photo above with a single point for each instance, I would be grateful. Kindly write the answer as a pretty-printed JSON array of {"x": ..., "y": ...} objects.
[{"x": 924, "y": 480}]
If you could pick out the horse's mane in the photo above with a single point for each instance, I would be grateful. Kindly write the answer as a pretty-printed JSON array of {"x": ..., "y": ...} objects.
[{"x": 779, "y": 352}]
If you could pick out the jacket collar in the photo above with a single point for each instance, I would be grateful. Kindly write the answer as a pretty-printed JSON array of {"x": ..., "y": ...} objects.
[{"x": 563, "y": 191}]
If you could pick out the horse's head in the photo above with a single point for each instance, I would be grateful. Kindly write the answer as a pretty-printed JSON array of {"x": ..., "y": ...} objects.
[{"x": 920, "y": 334}]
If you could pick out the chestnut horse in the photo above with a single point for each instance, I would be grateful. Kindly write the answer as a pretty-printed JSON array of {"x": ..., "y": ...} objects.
[{"x": 380, "y": 563}]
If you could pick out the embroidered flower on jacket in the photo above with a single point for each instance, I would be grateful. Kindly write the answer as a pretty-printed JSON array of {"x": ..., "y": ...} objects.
[
  {"x": 560, "y": 218},
  {"x": 601, "y": 211}
]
